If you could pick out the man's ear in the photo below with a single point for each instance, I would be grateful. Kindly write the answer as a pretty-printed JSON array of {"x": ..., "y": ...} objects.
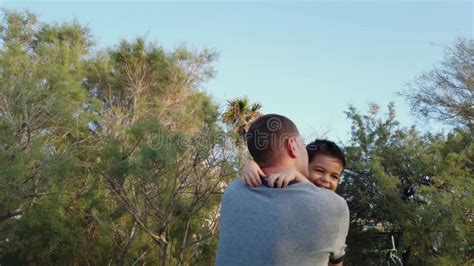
[{"x": 292, "y": 147}]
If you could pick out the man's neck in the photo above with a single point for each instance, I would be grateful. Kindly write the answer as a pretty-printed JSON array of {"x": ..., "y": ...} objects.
[{"x": 277, "y": 168}]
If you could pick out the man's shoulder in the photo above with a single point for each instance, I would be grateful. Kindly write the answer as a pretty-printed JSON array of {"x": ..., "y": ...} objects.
[
  {"x": 236, "y": 184},
  {"x": 322, "y": 192},
  {"x": 235, "y": 187},
  {"x": 322, "y": 196},
  {"x": 305, "y": 193}
]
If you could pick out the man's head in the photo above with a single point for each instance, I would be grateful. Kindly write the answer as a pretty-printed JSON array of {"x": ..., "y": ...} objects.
[
  {"x": 274, "y": 142},
  {"x": 326, "y": 163}
]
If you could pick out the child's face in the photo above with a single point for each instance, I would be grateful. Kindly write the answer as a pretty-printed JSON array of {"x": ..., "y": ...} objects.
[{"x": 325, "y": 171}]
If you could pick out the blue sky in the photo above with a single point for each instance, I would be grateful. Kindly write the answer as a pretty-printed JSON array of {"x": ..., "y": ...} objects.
[{"x": 306, "y": 60}]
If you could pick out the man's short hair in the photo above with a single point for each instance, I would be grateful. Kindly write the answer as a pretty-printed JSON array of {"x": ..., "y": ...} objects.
[
  {"x": 325, "y": 147},
  {"x": 266, "y": 137}
]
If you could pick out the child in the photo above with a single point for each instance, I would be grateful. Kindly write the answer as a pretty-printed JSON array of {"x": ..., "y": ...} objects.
[{"x": 326, "y": 164}]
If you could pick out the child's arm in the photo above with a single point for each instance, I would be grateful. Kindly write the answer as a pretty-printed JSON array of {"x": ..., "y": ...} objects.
[
  {"x": 282, "y": 179},
  {"x": 251, "y": 174}
]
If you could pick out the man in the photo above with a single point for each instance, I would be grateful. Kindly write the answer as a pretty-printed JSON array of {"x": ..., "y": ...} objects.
[{"x": 297, "y": 225}]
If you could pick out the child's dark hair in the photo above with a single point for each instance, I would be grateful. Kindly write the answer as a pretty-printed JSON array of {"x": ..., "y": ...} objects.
[{"x": 326, "y": 147}]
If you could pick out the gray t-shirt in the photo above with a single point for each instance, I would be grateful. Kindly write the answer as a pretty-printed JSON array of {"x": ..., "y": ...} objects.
[{"x": 298, "y": 225}]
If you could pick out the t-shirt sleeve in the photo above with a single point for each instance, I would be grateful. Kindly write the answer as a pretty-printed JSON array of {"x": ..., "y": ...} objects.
[{"x": 340, "y": 245}]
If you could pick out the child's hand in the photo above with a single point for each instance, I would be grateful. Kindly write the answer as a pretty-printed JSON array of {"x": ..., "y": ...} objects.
[
  {"x": 251, "y": 174},
  {"x": 282, "y": 179}
]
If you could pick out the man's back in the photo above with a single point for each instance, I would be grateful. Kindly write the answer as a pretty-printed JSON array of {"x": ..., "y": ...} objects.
[{"x": 298, "y": 225}]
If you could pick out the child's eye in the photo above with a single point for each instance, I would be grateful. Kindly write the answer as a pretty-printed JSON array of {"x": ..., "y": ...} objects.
[{"x": 335, "y": 177}]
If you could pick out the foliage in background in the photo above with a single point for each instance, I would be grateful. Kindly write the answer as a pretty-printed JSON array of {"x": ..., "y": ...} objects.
[
  {"x": 417, "y": 187},
  {"x": 238, "y": 116},
  {"x": 114, "y": 157}
]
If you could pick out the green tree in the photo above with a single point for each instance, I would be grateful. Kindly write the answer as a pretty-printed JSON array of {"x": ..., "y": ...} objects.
[
  {"x": 161, "y": 152},
  {"x": 42, "y": 124},
  {"x": 446, "y": 92},
  {"x": 118, "y": 148},
  {"x": 238, "y": 116},
  {"x": 413, "y": 186}
]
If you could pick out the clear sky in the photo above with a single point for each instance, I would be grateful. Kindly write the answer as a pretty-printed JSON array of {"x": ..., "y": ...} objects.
[{"x": 307, "y": 60}]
